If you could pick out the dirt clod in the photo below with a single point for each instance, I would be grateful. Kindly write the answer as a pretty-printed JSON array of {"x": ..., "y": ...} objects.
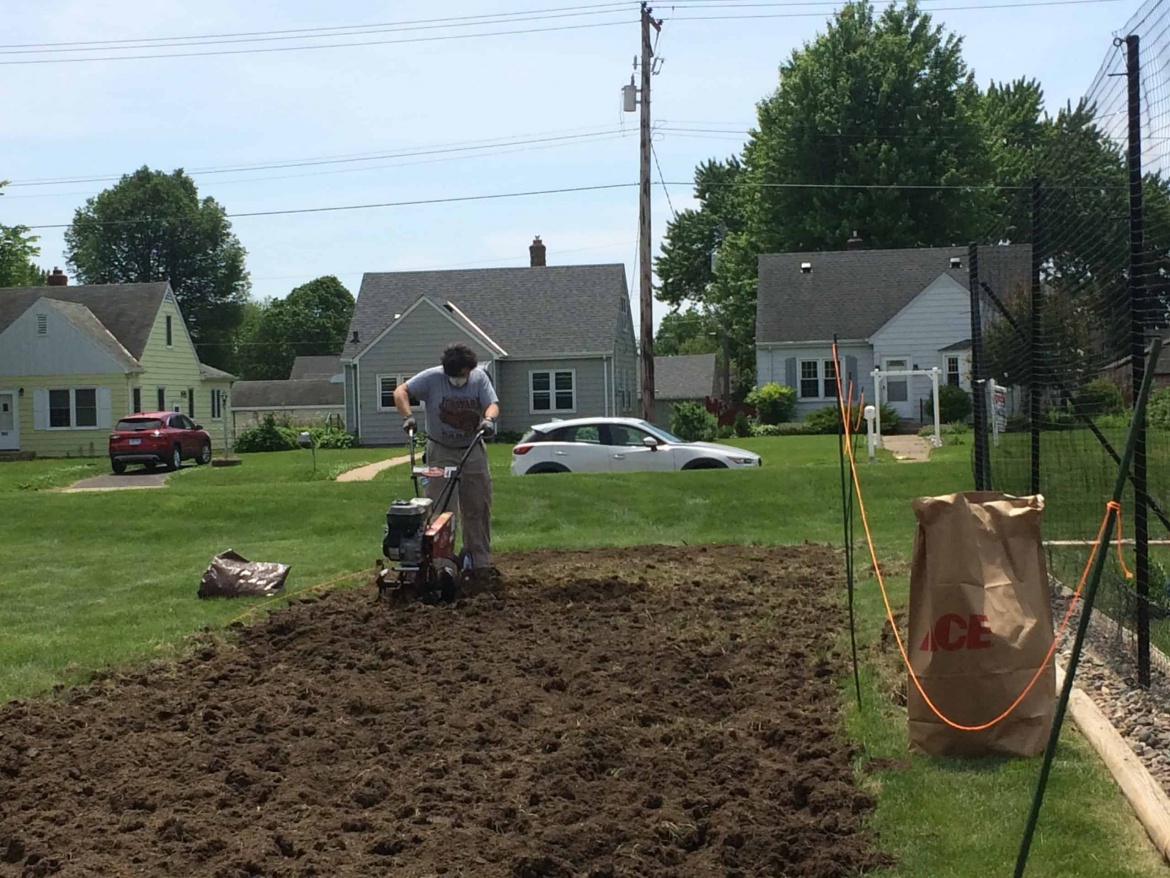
[{"x": 638, "y": 712}]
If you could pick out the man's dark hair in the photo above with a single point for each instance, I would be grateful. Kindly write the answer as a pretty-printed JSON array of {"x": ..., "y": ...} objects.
[{"x": 458, "y": 357}]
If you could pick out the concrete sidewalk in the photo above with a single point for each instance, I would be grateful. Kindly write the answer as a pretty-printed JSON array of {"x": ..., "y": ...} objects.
[{"x": 367, "y": 472}]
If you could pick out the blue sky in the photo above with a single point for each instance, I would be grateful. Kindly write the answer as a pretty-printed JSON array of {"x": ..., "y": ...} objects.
[{"x": 461, "y": 106}]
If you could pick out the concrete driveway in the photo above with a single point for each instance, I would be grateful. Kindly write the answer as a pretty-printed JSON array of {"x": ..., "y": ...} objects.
[{"x": 132, "y": 479}]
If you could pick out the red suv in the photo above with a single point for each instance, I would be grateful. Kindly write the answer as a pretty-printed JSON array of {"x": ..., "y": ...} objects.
[{"x": 152, "y": 438}]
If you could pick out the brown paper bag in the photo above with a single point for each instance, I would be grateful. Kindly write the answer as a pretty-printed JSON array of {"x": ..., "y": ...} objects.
[{"x": 980, "y": 625}]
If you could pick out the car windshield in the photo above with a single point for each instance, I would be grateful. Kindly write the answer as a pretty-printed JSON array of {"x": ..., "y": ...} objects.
[
  {"x": 133, "y": 424},
  {"x": 664, "y": 435}
]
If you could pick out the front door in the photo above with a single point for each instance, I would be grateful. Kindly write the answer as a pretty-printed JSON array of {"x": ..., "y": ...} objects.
[
  {"x": 9, "y": 421},
  {"x": 896, "y": 389}
]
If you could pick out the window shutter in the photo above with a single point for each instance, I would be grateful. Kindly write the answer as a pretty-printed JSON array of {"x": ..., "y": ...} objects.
[
  {"x": 851, "y": 375},
  {"x": 41, "y": 409},
  {"x": 790, "y": 372},
  {"x": 104, "y": 409}
]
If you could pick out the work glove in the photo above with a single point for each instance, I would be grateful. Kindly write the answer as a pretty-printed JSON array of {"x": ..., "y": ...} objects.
[
  {"x": 488, "y": 426},
  {"x": 408, "y": 425}
]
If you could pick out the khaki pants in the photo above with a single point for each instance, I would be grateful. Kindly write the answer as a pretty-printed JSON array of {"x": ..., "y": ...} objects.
[{"x": 471, "y": 501}]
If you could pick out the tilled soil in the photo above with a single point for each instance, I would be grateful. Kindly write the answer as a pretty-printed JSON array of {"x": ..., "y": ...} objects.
[{"x": 648, "y": 711}]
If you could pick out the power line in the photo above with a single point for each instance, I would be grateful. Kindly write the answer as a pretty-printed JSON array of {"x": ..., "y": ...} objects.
[
  {"x": 306, "y": 33},
  {"x": 931, "y": 9},
  {"x": 335, "y": 208},
  {"x": 456, "y": 147},
  {"x": 964, "y": 187},
  {"x": 334, "y": 28},
  {"x": 503, "y": 33},
  {"x": 654, "y": 153}
]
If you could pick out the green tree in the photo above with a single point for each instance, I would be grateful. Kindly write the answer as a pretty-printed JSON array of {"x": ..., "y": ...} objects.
[
  {"x": 312, "y": 320},
  {"x": 17, "y": 249},
  {"x": 874, "y": 101},
  {"x": 685, "y": 332},
  {"x": 152, "y": 226}
]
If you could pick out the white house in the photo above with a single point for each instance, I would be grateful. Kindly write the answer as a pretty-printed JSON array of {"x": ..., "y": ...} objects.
[{"x": 890, "y": 309}]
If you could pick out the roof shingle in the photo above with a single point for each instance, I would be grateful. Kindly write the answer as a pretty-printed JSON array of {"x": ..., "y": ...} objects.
[
  {"x": 688, "y": 376},
  {"x": 853, "y": 293},
  {"x": 318, "y": 392},
  {"x": 315, "y": 367},
  {"x": 530, "y": 312}
]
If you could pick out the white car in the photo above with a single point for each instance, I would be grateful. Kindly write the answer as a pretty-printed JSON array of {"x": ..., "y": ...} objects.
[{"x": 601, "y": 445}]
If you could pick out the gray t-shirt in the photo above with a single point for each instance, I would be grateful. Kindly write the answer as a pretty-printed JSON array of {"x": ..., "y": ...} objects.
[{"x": 453, "y": 413}]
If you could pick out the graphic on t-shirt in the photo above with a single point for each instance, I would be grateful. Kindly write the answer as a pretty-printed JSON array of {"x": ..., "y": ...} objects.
[{"x": 460, "y": 413}]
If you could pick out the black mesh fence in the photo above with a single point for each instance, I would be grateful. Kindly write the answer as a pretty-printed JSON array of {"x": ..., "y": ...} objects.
[{"x": 1068, "y": 288}]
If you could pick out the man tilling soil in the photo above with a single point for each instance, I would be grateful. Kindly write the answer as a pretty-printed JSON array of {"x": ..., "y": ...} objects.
[{"x": 460, "y": 402}]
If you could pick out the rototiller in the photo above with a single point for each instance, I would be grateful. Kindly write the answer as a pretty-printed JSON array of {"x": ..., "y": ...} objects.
[{"x": 419, "y": 539}]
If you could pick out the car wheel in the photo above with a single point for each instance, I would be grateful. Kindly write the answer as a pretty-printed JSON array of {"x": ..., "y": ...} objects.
[
  {"x": 118, "y": 466},
  {"x": 548, "y": 468},
  {"x": 204, "y": 454},
  {"x": 705, "y": 463},
  {"x": 176, "y": 460}
]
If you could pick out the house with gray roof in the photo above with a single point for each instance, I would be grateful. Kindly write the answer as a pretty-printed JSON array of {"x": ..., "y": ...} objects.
[
  {"x": 297, "y": 402},
  {"x": 889, "y": 309},
  {"x": 683, "y": 378},
  {"x": 74, "y": 359},
  {"x": 556, "y": 341}
]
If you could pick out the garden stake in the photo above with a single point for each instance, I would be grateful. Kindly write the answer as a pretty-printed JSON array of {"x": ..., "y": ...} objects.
[{"x": 1102, "y": 550}]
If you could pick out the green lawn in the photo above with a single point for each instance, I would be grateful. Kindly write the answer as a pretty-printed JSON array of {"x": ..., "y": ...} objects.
[{"x": 95, "y": 579}]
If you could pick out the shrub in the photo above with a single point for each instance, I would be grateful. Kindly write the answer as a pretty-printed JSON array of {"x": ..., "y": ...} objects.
[
  {"x": 1158, "y": 409},
  {"x": 1018, "y": 424},
  {"x": 828, "y": 419},
  {"x": 265, "y": 436},
  {"x": 692, "y": 422},
  {"x": 954, "y": 404},
  {"x": 792, "y": 428},
  {"x": 1099, "y": 397},
  {"x": 1056, "y": 419},
  {"x": 509, "y": 437},
  {"x": 743, "y": 426},
  {"x": 725, "y": 432},
  {"x": 268, "y": 435},
  {"x": 773, "y": 404}
]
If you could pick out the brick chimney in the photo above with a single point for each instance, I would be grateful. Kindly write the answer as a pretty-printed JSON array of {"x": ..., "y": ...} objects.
[
  {"x": 536, "y": 253},
  {"x": 57, "y": 279},
  {"x": 855, "y": 243}
]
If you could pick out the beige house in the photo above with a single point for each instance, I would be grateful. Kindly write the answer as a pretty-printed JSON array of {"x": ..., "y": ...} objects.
[{"x": 75, "y": 359}]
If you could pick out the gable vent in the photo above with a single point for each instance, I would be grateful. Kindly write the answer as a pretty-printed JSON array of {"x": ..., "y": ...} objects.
[
  {"x": 956, "y": 262},
  {"x": 806, "y": 268},
  {"x": 42, "y": 324}
]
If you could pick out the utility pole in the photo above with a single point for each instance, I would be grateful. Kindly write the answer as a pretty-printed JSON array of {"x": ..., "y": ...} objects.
[{"x": 646, "y": 294}]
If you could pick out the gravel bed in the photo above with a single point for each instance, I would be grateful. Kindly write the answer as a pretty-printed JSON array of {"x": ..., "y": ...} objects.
[{"x": 1142, "y": 716}]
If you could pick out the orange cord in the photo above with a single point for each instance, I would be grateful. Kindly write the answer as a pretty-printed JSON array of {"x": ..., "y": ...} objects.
[{"x": 1111, "y": 506}]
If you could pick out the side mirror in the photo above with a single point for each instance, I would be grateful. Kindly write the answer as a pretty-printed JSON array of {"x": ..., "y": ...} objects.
[
  {"x": 651, "y": 443},
  {"x": 198, "y": 426}
]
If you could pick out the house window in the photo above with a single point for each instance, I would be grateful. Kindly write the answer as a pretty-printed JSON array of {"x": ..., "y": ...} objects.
[
  {"x": 953, "y": 371},
  {"x": 85, "y": 407},
  {"x": 830, "y": 372},
  {"x": 137, "y": 400},
  {"x": 386, "y": 386},
  {"x": 191, "y": 403},
  {"x": 73, "y": 408},
  {"x": 216, "y": 405},
  {"x": 170, "y": 332},
  {"x": 810, "y": 379},
  {"x": 162, "y": 399},
  {"x": 552, "y": 391},
  {"x": 60, "y": 411}
]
